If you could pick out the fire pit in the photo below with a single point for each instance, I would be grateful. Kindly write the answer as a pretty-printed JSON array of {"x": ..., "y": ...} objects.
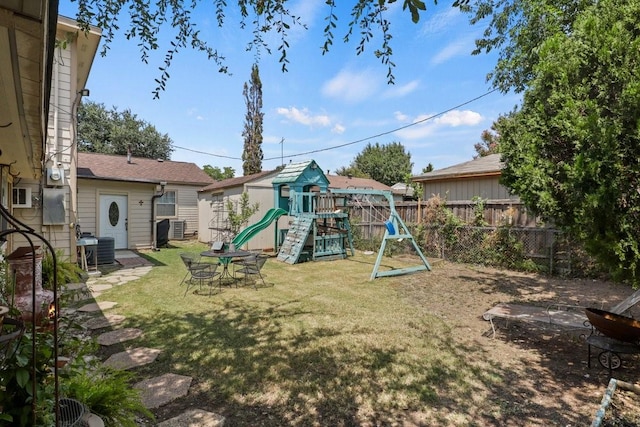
[{"x": 614, "y": 325}]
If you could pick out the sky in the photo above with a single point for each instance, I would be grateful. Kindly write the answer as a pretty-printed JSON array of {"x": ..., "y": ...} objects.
[{"x": 325, "y": 108}]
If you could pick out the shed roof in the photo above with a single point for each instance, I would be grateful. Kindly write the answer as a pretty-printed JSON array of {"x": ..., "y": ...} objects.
[
  {"x": 117, "y": 168},
  {"x": 482, "y": 166},
  {"x": 235, "y": 182}
]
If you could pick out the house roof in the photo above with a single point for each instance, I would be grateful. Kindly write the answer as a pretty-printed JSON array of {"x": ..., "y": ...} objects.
[
  {"x": 346, "y": 182},
  {"x": 235, "y": 182},
  {"x": 490, "y": 165},
  {"x": 117, "y": 168}
]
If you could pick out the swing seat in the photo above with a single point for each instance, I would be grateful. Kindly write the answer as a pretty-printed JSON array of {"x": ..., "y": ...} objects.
[{"x": 390, "y": 228}]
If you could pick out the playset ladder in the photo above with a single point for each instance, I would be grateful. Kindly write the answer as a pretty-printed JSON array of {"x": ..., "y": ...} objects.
[{"x": 296, "y": 238}]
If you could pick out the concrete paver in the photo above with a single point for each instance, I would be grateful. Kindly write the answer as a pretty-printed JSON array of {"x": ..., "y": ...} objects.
[
  {"x": 98, "y": 306},
  {"x": 195, "y": 418},
  {"x": 119, "y": 336},
  {"x": 161, "y": 390},
  {"x": 105, "y": 322},
  {"x": 132, "y": 358}
]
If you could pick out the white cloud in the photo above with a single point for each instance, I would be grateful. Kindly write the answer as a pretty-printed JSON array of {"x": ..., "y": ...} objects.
[
  {"x": 441, "y": 21},
  {"x": 400, "y": 91},
  {"x": 401, "y": 117},
  {"x": 350, "y": 86},
  {"x": 459, "y": 47},
  {"x": 459, "y": 118},
  {"x": 338, "y": 128},
  {"x": 304, "y": 117},
  {"x": 424, "y": 127}
]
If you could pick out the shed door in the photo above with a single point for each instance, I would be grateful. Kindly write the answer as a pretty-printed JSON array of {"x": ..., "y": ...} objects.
[{"x": 113, "y": 219}]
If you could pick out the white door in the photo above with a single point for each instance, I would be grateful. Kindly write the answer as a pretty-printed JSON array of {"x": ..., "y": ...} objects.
[{"x": 114, "y": 219}]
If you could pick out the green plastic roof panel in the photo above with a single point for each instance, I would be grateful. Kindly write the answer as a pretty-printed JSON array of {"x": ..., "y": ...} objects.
[{"x": 307, "y": 172}]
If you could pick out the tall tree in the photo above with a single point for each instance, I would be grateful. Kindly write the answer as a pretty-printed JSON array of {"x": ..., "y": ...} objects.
[
  {"x": 149, "y": 21},
  {"x": 216, "y": 173},
  {"x": 252, "y": 133},
  {"x": 572, "y": 149},
  {"x": 115, "y": 132},
  {"x": 388, "y": 164}
]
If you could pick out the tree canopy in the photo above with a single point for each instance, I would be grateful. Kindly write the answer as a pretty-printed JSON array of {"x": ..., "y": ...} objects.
[
  {"x": 489, "y": 140},
  {"x": 516, "y": 29},
  {"x": 149, "y": 22},
  {"x": 388, "y": 164},
  {"x": 218, "y": 174},
  {"x": 572, "y": 149},
  {"x": 115, "y": 132}
]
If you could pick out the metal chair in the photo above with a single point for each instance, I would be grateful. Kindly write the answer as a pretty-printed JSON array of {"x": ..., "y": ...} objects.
[
  {"x": 250, "y": 266},
  {"x": 198, "y": 272}
]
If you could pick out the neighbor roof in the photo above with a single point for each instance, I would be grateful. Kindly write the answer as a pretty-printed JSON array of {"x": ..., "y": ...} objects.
[
  {"x": 482, "y": 166},
  {"x": 234, "y": 182},
  {"x": 346, "y": 182},
  {"x": 117, "y": 168}
]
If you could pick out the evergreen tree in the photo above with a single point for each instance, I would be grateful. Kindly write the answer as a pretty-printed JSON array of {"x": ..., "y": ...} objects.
[{"x": 252, "y": 133}]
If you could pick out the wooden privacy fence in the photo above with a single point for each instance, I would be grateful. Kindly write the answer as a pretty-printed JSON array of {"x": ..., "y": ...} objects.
[{"x": 371, "y": 216}]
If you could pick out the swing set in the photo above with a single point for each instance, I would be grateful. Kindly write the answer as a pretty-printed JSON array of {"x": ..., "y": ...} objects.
[{"x": 395, "y": 229}]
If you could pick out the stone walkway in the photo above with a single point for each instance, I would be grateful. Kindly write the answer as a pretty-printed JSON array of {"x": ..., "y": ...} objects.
[{"x": 157, "y": 391}]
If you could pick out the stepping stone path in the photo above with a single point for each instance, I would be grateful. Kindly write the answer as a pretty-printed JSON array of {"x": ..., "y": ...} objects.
[
  {"x": 157, "y": 391},
  {"x": 119, "y": 336},
  {"x": 161, "y": 390}
]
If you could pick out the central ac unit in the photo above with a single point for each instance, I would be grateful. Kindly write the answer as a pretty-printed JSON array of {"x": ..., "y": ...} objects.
[{"x": 177, "y": 229}]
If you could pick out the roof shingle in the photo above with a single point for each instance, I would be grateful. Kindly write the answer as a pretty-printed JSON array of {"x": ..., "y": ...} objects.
[{"x": 117, "y": 168}]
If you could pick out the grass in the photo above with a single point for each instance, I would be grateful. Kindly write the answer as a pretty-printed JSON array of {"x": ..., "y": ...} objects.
[{"x": 320, "y": 345}]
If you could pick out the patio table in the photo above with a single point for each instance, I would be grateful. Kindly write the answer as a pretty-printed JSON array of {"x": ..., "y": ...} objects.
[{"x": 225, "y": 259}]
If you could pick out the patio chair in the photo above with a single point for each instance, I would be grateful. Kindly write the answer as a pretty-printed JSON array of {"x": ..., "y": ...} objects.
[
  {"x": 198, "y": 272},
  {"x": 250, "y": 266}
]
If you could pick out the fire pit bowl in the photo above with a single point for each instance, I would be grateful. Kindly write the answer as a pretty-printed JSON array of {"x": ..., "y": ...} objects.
[{"x": 614, "y": 325}]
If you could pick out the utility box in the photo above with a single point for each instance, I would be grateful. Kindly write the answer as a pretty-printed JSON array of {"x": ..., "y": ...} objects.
[
  {"x": 55, "y": 176},
  {"x": 53, "y": 206}
]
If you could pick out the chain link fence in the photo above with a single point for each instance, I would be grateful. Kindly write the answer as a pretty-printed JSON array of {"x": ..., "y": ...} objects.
[{"x": 529, "y": 249}]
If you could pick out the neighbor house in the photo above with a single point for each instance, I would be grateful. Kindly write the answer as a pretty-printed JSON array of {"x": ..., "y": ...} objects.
[
  {"x": 41, "y": 83},
  {"x": 123, "y": 197},
  {"x": 463, "y": 184}
]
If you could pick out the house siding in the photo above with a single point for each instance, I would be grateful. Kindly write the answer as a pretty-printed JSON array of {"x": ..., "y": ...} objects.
[
  {"x": 60, "y": 152},
  {"x": 187, "y": 209},
  {"x": 465, "y": 189},
  {"x": 138, "y": 208}
]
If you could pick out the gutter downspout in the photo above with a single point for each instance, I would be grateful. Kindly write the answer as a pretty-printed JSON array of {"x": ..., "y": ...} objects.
[{"x": 153, "y": 215}]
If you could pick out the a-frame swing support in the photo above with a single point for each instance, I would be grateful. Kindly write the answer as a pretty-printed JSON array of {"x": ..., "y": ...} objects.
[{"x": 396, "y": 225}]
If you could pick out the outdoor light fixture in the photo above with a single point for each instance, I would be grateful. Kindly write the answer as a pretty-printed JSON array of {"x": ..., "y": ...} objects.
[{"x": 83, "y": 92}]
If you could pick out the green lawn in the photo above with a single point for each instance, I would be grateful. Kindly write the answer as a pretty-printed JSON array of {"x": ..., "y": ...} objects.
[{"x": 321, "y": 345}]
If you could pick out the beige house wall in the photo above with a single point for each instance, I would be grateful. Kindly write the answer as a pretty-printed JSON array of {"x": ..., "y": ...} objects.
[
  {"x": 186, "y": 209},
  {"x": 138, "y": 208},
  {"x": 60, "y": 152}
]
